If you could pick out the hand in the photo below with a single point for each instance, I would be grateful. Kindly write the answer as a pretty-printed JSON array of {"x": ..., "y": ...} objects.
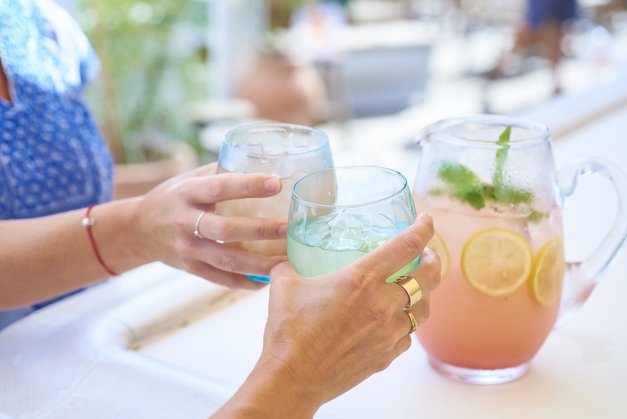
[
  {"x": 325, "y": 335},
  {"x": 166, "y": 217}
]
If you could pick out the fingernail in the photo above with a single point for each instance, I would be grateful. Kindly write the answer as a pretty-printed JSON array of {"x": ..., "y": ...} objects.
[
  {"x": 272, "y": 185},
  {"x": 283, "y": 230}
]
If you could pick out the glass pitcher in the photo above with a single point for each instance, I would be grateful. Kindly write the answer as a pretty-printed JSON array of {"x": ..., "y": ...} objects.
[{"x": 490, "y": 185}]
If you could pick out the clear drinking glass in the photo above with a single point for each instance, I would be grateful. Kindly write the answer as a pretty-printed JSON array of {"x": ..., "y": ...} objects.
[
  {"x": 283, "y": 150},
  {"x": 338, "y": 215}
]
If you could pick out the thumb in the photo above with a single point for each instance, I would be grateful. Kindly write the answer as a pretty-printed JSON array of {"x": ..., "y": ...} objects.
[{"x": 283, "y": 272}]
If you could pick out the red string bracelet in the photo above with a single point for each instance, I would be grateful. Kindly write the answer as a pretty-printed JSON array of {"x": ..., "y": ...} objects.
[{"x": 88, "y": 222}]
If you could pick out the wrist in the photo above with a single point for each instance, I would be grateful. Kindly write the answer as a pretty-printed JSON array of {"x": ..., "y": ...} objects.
[
  {"x": 133, "y": 223},
  {"x": 115, "y": 232},
  {"x": 272, "y": 390}
]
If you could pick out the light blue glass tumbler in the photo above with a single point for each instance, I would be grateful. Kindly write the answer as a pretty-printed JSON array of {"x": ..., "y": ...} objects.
[{"x": 284, "y": 150}]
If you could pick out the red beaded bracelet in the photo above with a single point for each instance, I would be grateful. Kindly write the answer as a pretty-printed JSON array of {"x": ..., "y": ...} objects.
[{"x": 88, "y": 222}]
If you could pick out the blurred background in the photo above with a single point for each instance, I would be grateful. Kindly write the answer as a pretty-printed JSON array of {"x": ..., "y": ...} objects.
[{"x": 180, "y": 73}]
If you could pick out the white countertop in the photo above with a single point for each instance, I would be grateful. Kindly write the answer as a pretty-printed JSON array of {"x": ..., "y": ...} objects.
[{"x": 160, "y": 343}]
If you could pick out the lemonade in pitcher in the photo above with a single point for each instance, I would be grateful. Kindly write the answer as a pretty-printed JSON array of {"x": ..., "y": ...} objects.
[{"x": 501, "y": 285}]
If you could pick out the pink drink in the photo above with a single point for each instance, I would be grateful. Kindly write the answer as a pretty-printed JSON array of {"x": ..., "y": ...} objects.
[{"x": 471, "y": 329}]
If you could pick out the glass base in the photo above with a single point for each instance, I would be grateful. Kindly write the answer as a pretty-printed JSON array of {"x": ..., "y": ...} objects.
[
  {"x": 473, "y": 376},
  {"x": 258, "y": 278}
]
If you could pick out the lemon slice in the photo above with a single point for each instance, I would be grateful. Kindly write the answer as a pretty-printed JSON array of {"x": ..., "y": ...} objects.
[
  {"x": 496, "y": 261},
  {"x": 548, "y": 272},
  {"x": 438, "y": 245}
]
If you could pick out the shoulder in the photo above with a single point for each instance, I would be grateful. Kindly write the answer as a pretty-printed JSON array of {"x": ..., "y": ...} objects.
[
  {"x": 56, "y": 15},
  {"x": 74, "y": 46}
]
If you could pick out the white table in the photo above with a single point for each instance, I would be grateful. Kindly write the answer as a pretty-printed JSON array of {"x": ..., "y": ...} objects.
[{"x": 159, "y": 343}]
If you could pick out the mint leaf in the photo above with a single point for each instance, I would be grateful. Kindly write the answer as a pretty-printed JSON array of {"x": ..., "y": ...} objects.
[
  {"x": 475, "y": 199},
  {"x": 507, "y": 194},
  {"x": 537, "y": 216},
  {"x": 458, "y": 176},
  {"x": 498, "y": 179},
  {"x": 504, "y": 193},
  {"x": 462, "y": 183}
]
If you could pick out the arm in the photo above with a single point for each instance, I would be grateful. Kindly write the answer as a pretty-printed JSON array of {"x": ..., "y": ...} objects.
[
  {"x": 326, "y": 335},
  {"x": 48, "y": 256}
]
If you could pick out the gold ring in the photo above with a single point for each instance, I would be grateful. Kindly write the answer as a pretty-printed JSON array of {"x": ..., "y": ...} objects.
[
  {"x": 412, "y": 319},
  {"x": 411, "y": 287},
  {"x": 197, "y": 232}
]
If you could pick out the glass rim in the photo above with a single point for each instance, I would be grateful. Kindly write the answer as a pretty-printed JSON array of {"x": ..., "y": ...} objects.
[
  {"x": 308, "y": 203},
  {"x": 539, "y": 132},
  {"x": 275, "y": 125}
]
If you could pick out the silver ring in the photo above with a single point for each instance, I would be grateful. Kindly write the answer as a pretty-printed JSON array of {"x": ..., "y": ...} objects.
[{"x": 197, "y": 232}]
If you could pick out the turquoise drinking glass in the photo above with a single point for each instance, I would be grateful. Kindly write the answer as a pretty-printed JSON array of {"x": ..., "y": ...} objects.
[{"x": 340, "y": 214}]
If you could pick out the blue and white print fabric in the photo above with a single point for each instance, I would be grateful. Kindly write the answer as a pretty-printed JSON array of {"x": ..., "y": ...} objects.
[{"x": 52, "y": 157}]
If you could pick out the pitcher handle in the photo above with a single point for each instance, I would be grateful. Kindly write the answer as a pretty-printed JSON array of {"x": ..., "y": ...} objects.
[{"x": 583, "y": 276}]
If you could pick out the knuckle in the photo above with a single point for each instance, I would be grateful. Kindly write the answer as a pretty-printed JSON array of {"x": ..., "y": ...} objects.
[
  {"x": 389, "y": 341},
  {"x": 247, "y": 188},
  {"x": 180, "y": 191},
  {"x": 181, "y": 225},
  {"x": 217, "y": 189},
  {"x": 436, "y": 277},
  {"x": 422, "y": 312},
  {"x": 428, "y": 222},
  {"x": 359, "y": 279},
  {"x": 414, "y": 243},
  {"x": 404, "y": 344},
  {"x": 279, "y": 270},
  {"x": 264, "y": 231},
  {"x": 384, "y": 362},
  {"x": 426, "y": 313},
  {"x": 228, "y": 263},
  {"x": 378, "y": 315},
  {"x": 437, "y": 262},
  {"x": 435, "y": 269},
  {"x": 189, "y": 266},
  {"x": 220, "y": 229}
]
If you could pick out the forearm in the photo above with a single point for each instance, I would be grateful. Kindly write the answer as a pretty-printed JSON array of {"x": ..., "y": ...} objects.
[
  {"x": 270, "y": 392},
  {"x": 48, "y": 256}
]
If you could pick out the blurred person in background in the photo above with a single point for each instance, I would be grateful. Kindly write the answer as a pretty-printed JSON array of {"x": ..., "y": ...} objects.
[{"x": 544, "y": 27}]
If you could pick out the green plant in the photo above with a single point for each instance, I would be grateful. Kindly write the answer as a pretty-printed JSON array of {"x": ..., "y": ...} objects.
[{"x": 153, "y": 61}]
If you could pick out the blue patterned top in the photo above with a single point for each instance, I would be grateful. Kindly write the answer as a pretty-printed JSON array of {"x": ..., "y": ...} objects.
[{"x": 52, "y": 158}]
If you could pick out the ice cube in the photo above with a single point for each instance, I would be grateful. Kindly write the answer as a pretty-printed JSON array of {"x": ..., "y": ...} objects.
[
  {"x": 316, "y": 232},
  {"x": 282, "y": 168}
]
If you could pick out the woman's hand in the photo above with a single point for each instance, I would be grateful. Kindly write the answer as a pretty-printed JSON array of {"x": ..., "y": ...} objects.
[
  {"x": 325, "y": 335},
  {"x": 165, "y": 220}
]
